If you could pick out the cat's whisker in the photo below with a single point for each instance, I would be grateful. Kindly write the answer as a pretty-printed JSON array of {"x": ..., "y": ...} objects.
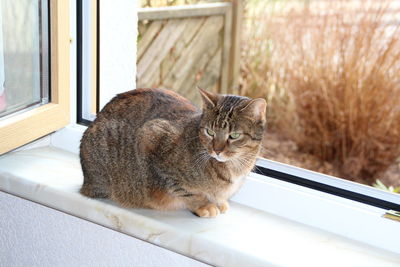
[
  {"x": 252, "y": 156},
  {"x": 237, "y": 163},
  {"x": 201, "y": 160},
  {"x": 198, "y": 161},
  {"x": 243, "y": 162}
]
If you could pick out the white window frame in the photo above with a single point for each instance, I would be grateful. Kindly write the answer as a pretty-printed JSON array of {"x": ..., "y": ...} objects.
[
  {"x": 348, "y": 218},
  {"x": 338, "y": 215},
  {"x": 117, "y": 62},
  {"x": 88, "y": 65}
]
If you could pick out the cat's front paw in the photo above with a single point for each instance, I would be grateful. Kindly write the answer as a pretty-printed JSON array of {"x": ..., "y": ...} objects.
[
  {"x": 207, "y": 211},
  {"x": 223, "y": 207}
]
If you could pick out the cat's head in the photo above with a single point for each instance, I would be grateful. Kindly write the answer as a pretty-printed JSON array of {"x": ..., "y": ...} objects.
[{"x": 231, "y": 126}]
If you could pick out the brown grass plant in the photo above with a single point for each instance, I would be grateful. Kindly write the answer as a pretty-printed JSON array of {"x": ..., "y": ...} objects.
[{"x": 330, "y": 71}]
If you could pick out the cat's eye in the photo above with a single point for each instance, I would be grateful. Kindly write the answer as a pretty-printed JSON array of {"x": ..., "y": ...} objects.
[
  {"x": 234, "y": 135},
  {"x": 210, "y": 132}
]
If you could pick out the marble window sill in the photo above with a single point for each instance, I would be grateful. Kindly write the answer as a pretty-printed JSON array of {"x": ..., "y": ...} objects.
[{"x": 242, "y": 237}]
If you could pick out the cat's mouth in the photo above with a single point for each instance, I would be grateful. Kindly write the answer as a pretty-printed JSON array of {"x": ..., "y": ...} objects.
[{"x": 219, "y": 158}]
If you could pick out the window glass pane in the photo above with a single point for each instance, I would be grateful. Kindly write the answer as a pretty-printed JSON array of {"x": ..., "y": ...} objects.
[
  {"x": 330, "y": 73},
  {"x": 87, "y": 61},
  {"x": 23, "y": 56}
]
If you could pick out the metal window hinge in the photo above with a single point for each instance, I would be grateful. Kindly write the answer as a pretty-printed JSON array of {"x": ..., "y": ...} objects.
[{"x": 393, "y": 215}]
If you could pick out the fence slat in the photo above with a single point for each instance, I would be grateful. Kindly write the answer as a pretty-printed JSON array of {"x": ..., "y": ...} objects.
[
  {"x": 234, "y": 65},
  {"x": 192, "y": 27},
  {"x": 192, "y": 53},
  {"x": 148, "y": 36},
  {"x": 185, "y": 11},
  {"x": 199, "y": 68},
  {"x": 158, "y": 49}
]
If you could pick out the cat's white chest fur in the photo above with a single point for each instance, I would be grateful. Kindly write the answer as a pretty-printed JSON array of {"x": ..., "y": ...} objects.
[{"x": 233, "y": 187}]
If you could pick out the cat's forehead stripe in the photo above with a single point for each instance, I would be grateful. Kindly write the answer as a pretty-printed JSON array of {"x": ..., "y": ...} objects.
[{"x": 225, "y": 109}]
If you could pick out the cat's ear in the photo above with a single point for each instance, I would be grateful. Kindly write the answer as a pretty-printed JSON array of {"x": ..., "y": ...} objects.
[
  {"x": 210, "y": 100},
  {"x": 256, "y": 109}
]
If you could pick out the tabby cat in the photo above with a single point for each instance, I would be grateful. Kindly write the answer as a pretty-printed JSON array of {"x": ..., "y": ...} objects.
[{"x": 152, "y": 148}]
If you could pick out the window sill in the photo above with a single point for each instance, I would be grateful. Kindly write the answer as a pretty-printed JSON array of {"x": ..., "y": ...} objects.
[{"x": 242, "y": 237}]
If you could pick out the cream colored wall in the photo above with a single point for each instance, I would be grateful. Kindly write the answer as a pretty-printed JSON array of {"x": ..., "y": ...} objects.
[{"x": 34, "y": 235}]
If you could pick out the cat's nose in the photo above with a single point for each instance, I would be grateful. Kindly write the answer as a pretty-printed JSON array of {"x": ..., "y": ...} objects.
[
  {"x": 218, "y": 147},
  {"x": 217, "y": 152}
]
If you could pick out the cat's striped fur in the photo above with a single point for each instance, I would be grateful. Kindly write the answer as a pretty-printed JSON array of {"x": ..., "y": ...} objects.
[{"x": 151, "y": 148}]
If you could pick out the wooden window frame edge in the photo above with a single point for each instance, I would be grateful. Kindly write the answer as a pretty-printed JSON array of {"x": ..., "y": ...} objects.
[{"x": 33, "y": 124}]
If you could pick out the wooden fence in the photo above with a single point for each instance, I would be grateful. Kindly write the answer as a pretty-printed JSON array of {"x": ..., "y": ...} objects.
[{"x": 182, "y": 47}]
